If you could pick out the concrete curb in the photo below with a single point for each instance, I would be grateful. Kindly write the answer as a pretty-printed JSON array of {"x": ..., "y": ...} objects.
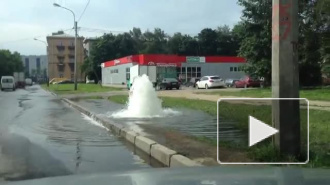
[{"x": 166, "y": 156}]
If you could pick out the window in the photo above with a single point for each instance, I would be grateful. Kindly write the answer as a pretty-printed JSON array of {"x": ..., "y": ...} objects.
[
  {"x": 178, "y": 70},
  {"x": 127, "y": 70},
  {"x": 235, "y": 68},
  {"x": 198, "y": 69},
  {"x": 199, "y": 75},
  {"x": 114, "y": 71},
  {"x": 183, "y": 69},
  {"x": 188, "y": 69},
  {"x": 7, "y": 80},
  {"x": 215, "y": 78},
  {"x": 231, "y": 69},
  {"x": 239, "y": 68},
  {"x": 194, "y": 69}
]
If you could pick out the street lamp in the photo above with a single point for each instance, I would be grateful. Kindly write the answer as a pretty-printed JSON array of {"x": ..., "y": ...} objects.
[{"x": 75, "y": 42}]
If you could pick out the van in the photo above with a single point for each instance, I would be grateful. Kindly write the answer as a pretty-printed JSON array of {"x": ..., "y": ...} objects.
[
  {"x": 28, "y": 81},
  {"x": 7, "y": 82}
]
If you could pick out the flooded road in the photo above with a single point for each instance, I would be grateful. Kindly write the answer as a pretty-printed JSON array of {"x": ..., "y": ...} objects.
[
  {"x": 41, "y": 136},
  {"x": 192, "y": 122}
]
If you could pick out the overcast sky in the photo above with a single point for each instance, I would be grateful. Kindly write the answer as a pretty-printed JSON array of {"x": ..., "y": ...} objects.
[{"x": 22, "y": 20}]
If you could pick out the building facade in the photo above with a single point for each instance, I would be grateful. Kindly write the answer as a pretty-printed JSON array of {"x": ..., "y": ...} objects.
[
  {"x": 35, "y": 65},
  {"x": 184, "y": 67},
  {"x": 61, "y": 56},
  {"x": 88, "y": 45}
]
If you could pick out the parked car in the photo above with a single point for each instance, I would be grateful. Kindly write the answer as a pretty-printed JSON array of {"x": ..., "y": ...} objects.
[
  {"x": 210, "y": 82},
  {"x": 230, "y": 82},
  {"x": 248, "y": 81},
  {"x": 8, "y": 82},
  {"x": 28, "y": 81},
  {"x": 169, "y": 83},
  {"x": 192, "y": 82}
]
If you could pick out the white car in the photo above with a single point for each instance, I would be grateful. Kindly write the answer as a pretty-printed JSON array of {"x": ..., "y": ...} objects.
[
  {"x": 210, "y": 82},
  {"x": 28, "y": 81},
  {"x": 8, "y": 82}
]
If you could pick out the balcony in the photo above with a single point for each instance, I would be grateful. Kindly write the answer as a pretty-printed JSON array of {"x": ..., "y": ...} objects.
[
  {"x": 71, "y": 60},
  {"x": 60, "y": 55},
  {"x": 60, "y": 47},
  {"x": 71, "y": 54},
  {"x": 61, "y": 61},
  {"x": 71, "y": 47},
  {"x": 60, "y": 67}
]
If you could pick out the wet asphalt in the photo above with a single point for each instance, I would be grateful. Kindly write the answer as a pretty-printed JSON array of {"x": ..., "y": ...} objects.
[{"x": 40, "y": 136}]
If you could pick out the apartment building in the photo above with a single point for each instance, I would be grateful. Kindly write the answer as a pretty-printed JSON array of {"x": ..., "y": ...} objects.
[
  {"x": 61, "y": 53},
  {"x": 35, "y": 65}
]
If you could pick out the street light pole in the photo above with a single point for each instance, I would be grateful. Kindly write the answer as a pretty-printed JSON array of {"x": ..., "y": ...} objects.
[{"x": 75, "y": 43}]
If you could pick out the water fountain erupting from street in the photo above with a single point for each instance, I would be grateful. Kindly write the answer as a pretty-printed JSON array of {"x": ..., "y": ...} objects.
[{"x": 143, "y": 101}]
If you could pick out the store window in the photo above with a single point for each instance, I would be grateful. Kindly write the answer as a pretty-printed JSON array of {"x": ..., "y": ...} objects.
[
  {"x": 183, "y": 69},
  {"x": 128, "y": 76}
]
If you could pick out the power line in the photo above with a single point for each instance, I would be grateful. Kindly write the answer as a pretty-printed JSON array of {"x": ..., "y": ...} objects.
[
  {"x": 28, "y": 38},
  {"x": 83, "y": 10},
  {"x": 99, "y": 30}
]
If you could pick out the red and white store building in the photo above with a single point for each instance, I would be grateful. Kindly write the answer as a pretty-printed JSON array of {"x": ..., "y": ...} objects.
[{"x": 185, "y": 67}]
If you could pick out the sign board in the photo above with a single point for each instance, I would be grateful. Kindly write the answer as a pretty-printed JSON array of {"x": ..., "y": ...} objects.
[
  {"x": 117, "y": 62},
  {"x": 195, "y": 59},
  {"x": 151, "y": 63},
  {"x": 166, "y": 65}
]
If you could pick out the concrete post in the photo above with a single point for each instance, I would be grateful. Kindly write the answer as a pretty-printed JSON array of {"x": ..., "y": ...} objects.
[
  {"x": 75, "y": 54},
  {"x": 285, "y": 76}
]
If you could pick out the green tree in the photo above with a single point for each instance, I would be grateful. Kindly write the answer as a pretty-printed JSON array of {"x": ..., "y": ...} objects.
[
  {"x": 208, "y": 43},
  {"x": 10, "y": 62},
  {"x": 155, "y": 42},
  {"x": 256, "y": 37},
  {"x": 183, "y": 45},
  {"x": 227, "y": 44}
]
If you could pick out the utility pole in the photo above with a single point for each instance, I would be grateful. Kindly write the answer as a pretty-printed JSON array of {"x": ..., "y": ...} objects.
[
  {"x": 75, "y": 42},
  {"x": 285, "y": 76},
  {"x": 75, "y": 55}
]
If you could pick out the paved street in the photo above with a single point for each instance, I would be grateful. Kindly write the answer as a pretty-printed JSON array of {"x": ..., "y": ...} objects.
[{"x": 41, "y": 136}]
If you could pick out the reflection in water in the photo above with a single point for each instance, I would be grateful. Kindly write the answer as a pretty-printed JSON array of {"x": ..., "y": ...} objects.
[
  {"x": 78, "y": 156},
  {"x": 26, "y": 160}
]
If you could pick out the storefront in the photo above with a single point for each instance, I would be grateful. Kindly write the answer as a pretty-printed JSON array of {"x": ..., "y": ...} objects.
[{"x": 173, "y": 66}]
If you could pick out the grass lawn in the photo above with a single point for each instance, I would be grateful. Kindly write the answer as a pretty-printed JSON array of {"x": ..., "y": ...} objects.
[
  {"x": 311, "y": 94},
  {"x": 82, "y": 88},
  {"x": 319, "y": 125}
]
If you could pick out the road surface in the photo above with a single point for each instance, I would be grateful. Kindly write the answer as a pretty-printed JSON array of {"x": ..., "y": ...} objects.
[{"x": 41, "y": 136}]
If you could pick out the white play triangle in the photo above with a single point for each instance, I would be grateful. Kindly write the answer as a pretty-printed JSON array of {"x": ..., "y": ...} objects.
[{"x": 259, "y": 131}]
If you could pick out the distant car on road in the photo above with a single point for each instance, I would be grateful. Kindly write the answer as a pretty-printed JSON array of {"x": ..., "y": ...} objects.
[
  {"x": 28, "y": 81},
  {"x": 8, "y": 82},
  {"x": 248, "y": 81},
  {"x": 169, "y": 83},
  {"x": 230, "y": 82},
  {"x": 210, "y": 82}
]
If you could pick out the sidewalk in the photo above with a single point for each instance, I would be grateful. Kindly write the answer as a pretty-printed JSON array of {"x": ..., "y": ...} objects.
[{"x": 189, "y": 94}]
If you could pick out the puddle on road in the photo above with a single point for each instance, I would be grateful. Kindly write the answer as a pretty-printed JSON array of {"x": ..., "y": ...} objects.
[{"x": 191, "y": 122}]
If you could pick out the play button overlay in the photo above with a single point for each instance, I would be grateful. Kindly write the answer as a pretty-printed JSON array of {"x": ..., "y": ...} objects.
[
  {"x": 259, "y": 131},
  {"x": 249, "y": 131}
]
